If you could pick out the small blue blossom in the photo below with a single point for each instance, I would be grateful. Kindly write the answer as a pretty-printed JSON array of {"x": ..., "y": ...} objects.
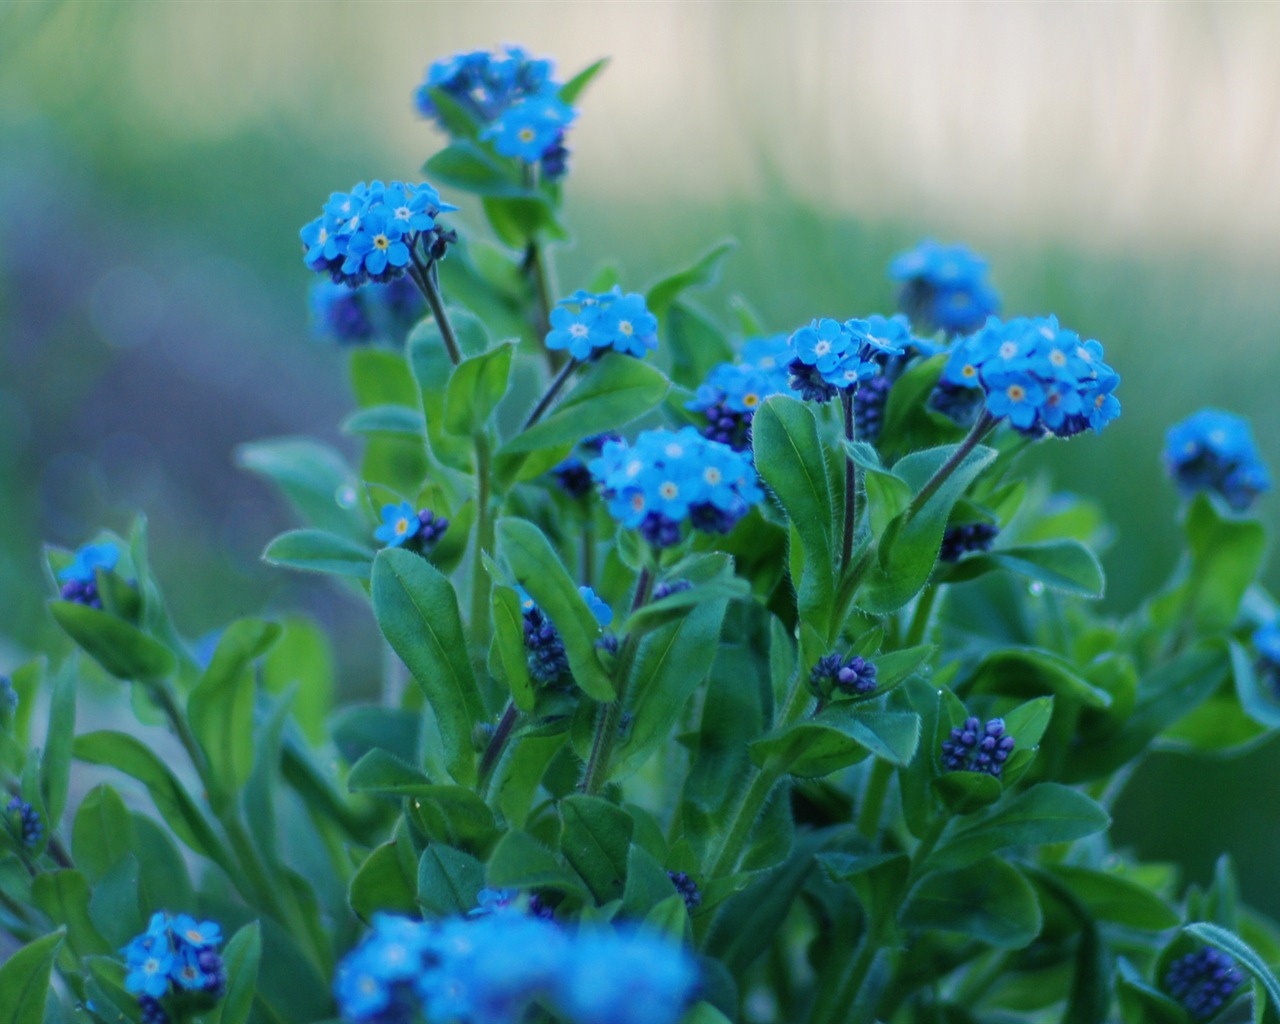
[
  {"x": 370, "y": 312},
  {"x": 944, "y": 287},
  {"x": 1266, "y": 641},
  {"x": 1034, "y": 372},
  {"x": 687, "y": 888},
  {"x": 829, "y": 357},
  {"x": 960, "y": 540},
  {"x": 733, "y": 391},
  {"x": 483, "y": 83},
  {"x": 974, "y": 747},
  {"x": 197, "y": 934},
  {"x": 589, "y": 324},
  {"x": 174, "y": 954},
  {"x": 8, "y": 697},
  {"x": 26, "y": 821},
  {"x": 573, "y": 477},
  {"x": 833, "y": 675},
  {"x": 399, "y": 524},
  {"x": 149, "y": 967},
  {"x": 152, "y": 1012},
  {"x": 666, "y": 477},
  {"x": 368, "y": 234},
  {"x": 530, "y": 127},
  {"x": 602, "y": 612},
  {"x": 1203, "y": 981},
  {"x": 1213, "y": 450},
  {"x": 88, "y": 560}
]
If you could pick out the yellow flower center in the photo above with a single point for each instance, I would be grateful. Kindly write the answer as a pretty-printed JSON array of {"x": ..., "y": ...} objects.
[
  {"x": 381, "y": 242},
  {"x": 526, "y": 134},
  {"x": 711, "y": 475},
  {"x": 625, "y": 327},
  {"x": 969, "y": 371},
  {"x": 750, "y": 400},
  {"x": 402, "y": 526},
  {"x": 1058, "y": 357},
  {"x": 1016, "y": 392},
  {"x": 669, "y": 490}
]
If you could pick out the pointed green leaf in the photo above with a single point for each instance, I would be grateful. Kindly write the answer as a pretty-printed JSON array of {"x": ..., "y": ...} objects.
[
  {"x": 595, "y": 840},
  {"x": 448, "y": 881},
  {"x": 1065, "y": 565},
  {"x": 318, "y": 551},
  {"x": 24, "y": 981},
  {"x": 989, "y": 901},
  {"x": 123, "y": 650},
  {"x": 476, "y": 387}
]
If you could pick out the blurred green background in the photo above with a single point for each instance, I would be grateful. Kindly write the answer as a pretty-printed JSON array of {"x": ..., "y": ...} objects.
[{"x": 1119, "y": 165}]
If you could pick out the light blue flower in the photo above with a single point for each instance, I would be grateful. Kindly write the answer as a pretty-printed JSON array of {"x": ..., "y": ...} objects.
[
  {"x": 530, "y": 126},
  {"x": 88, "y": 560},
  {"x": 1213, "y": 450},
  {"x": 602, "y": 612},
  {"x": 399, "y": 524}
]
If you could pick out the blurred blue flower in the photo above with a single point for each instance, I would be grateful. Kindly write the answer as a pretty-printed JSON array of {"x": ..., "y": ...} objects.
[
  {"x": 88, "y": 560},
  {"x": 974, "y": 747},
  {"x": 1213, "y": 450},
  {"x": 483, "y": 83},
  {"x": 1203, "y": 981},
  {"x": 530, "y": 127},
  {"x": 944, "y": 287},
  {"x": 399, "y": 523},
  {"x": 27, "y": 825},
  {"x": 602, "y": 612}
]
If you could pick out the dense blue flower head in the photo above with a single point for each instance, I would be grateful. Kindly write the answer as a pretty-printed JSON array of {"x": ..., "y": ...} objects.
[
  {"x": 829, "y": 356},
  {"x": 974, "y": 747},
  {"x": 544, "y": 647},
  {"x": 687, "y": 888},
  {"x": 833, "y": 675},
  {"x": 484, "y": 83},
  {"x": 732, "y": 392},
  {"x": 25, "y": 821},
  {"x": 367, "y": 234},
  {"x": 960, "y": 540},
  {"x": 488, "y": 968},
  {"x": 175, "y": 954},
  {"x": 1043, "y": 378},
  {"x": 666, "y": 477},
  {"x": 531, "y": 127},
  {"x": 1266, "y": 641},
  {"x": 371, "y": 312},
  {"x": 589, "y": 324},
  {"x": 1213, "y": 450},
  {"x": 8, "y": 696},
  {"x": 944, "y": 287},
  {"x": 1203, "y": 981}
]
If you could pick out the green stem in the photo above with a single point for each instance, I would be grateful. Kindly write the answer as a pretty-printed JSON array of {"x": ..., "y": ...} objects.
[
  {"x": 980, "y": 430},
  {"x": 873, "y": 798},
  {"x": 926, "y": 846},
  {"x": 497, "y": 743},
  {"x": 850, "y": 481},
  {"x": 480, "y": 612},
  {"x": 588, "y": 546},
  {"x": 838, "y": 1008},
  {"x": 561, "y": 378},
  {"x": 919, "y": 627},
  {"x": 610, "y": 714},
  {"x": 422, "y": 275}
]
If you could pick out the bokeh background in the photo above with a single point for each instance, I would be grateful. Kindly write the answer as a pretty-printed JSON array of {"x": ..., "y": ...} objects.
[{"x": 1118, "y": 164}]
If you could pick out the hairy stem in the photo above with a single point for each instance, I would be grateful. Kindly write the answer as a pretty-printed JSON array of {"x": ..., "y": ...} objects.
[
  {"x": 873, "y": 798},
  {"x": 497, "y": 743},
  {"x": 980, "y": 429},
  {"x": 850, "y": 480},
  {"x": 424, "y": 277},
  {"x": 561, "y": 378}
]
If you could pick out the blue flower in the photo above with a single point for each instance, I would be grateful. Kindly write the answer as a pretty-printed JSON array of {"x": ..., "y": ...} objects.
[
  {"x": 668, "y": 476},
  {"x": 530, "y": 127},
  {"x": 1214, "y": 451},
  {"x": 149, "y": 966},
  {"x": 589, "y": 324},
  {"x": 824, "y": 344},
  {"x": 88, "y": 560},
  {"x": 974, "y": 747},
  {"x": 769, "y": 354},
  {"x": 944, "y": 287},
  {"x": 853, "y": 676},
  {"x": 399, "y": 523},
  {"x": 198, "y": 935},
  {"x": 626, "y": 977},
  {"x": 829, "y": 356},
  {"x": 602, "y": 612},
  {"x": 483, "y": 83},
  {"x": 28, "y": 824},
  {"x": 1044, "y": 378},
  {"x": 1203, "y": 981},
  {"x": 1266, "y": 640},
  {"x": 962, "y": 539},
  {"x": 368, "y": 233}
]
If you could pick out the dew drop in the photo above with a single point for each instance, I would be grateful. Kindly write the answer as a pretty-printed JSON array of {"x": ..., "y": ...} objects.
[
  {"x": 1036, "y": 588},
  {"x": 346, "y": 496}
]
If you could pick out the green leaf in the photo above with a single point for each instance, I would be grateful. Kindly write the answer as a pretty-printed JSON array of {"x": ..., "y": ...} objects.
[
  {"x": 448, "y": 881},
  {"x": 695, "y": 344},
  {"x": 648, "y": 883},
  {"x": 467, "y": 166},
  {"x": 456, "y": 816},
  {"x": 260, "y": 791},
  {"x": 537, "y": 568},
  {"x": 572, "y": 89},
  {"x": 476, "y": 387},
  {"x": 610, "y": 393},
  {"x": 840, "y": 736},
  {"x": 115, "y": 906},
  {"x": 1064, "y": 565},
  {"x": 789, "y": 458},
  {"x": 24, "y": 980},
  {"x": 131, "y": 756},
  {"x": 318, "y": 551},
  {"x": 520, "y": 862},
  {"x": 312, "y": 476},
  {"x": 518, "y": 221},
  {"x": 302, "y": 656},
  {"x": 456, "y": 119},
  {"x": 595, "y": 840},
  {"x": 220, "y": 707},
  {"x": 908, "y": 551},
  {"x": 1243, "y": 954},
  {"x": 64, "y": 898},
  {"x": 508, "y": 659},
  {"x": 1028, "y": 672},
  {"x": 382, "y": 883},
  {"x": 966, "y": 792},
  {"x": 417, "y": 611},
  {"x": 700, "y": 274},
  {"x": 240, "y": 958},
  {"x": 1226, "y": 555},
  {"x": 909, "y": 424},
  {"x": 725, "y": 587},
  {"x": 1114, "y": 898},
  {"x": 398, "y": 420},
  {"x": 55, "y": 762},
  {"x": 382, "y": 773},
  {"x": 102, "y": 832},
  {"x": 1046, "y": 813},
  {"x": 123, "y": 650},
  {"x": 888, "y": 495},
  {"x": 989, "y": 901}
]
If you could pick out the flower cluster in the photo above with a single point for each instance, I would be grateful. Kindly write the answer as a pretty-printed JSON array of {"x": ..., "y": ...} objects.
[
  {"x": 80, "y": 578},
  {"x": 371, "y": 312},
  {"x": 944, "y": 287},
  {"x": 1044, "y": 378},
  {"x": 543, "y": 645},
  {"x": 175, "y": 954},
  {"x": 370, "y": 233},
  {"x": 487, "y": 969},
  {"x": 572, "y": 475},
  {"x": 8, "y": 697},
  {"x": 588, "y": 324},
  {"x": 402, "y": 526},
  {"x": 829, "y": 356},
  {"x": 1266, "y": 641},
  {"x": 687, "y": 888},
  {"x": 960, "y": 540},
  {"x": 25, "y": 821},
  {"x": 974, "y": 747},
  {"x": 667, "y": 476},
  {"x": 733, "y": 391},
  {"x": 1203, "y": 981},
  {"x": 1213, "y": 450},
  {"x": 512, "y": 95},
  {"x": 851, "y": 677}
]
